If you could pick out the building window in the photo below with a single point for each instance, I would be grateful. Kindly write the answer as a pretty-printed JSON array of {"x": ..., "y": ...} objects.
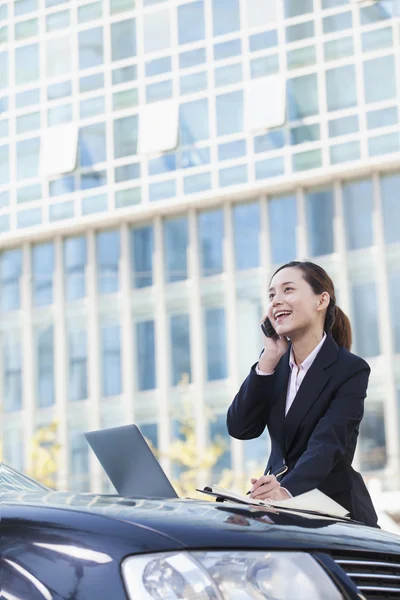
[
  {"x": 246, "y": 227},
  {"x": 92, "y": 144},
  {"x": 191, "y": 25},
  {"x": 58, "y": 56},
  {"x": 261, "y": 13},
  {"x": 226, "y": 16},
  {"x": 357, "y": 209},
  {"x": 91, "y": 53},
  {"x": 125, "y": 136},
  {"x": 320, "y": 215},
  {"x": 75, "y": 257},
  {"x": 78, "y": 462},
  {"x": 77, "y": 365},
  {"x": 265, "y": 103},
  {"x": 193, "y": 122},
  {"x": 123, "y": 39},
  {"x": 158, "y": 127},
  {"x": 293, "y": 8},
  {"x": 45, "y": 392},
  {"x": 145, "y": 355},
  {"x": 108, "y": 256},
  {"x": 175, "y": 249},
  {"x": 12, "y": 371},
  {"x": 391, "y": 207},
  {"x": 27, "y": 64},
  {"x": 180, "y": 348},
  {"x": 230, "y": 113},
  {"x": 379, "y": 79},
  {"x": 394, "y": 297},
  {"x": 111, "y": 360},
  {"x": 216, "y": 357},
  {"x": 365, "y": 319},
  {"x": 10, "y": 274},
  {"x": 302, "y": 97},
  {"x": 157, "y": 30},
  {"x": 373, "y": 438},
  {"x": 28, "y": 152},
  {"x": 142, "y": 256},
  {"x": 211, "y": 237},
  {"x": 341, "y": 87},
  {"x": 42, "y": 274},
  {"x": 282, "y": 214},
  {"x": 59, "y": 150}
]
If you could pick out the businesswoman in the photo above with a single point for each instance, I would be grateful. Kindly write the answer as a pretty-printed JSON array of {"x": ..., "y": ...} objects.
[{"x": 309, "y": 390}]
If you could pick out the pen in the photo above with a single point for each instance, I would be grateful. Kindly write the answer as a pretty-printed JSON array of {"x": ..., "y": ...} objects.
[{"x": 279, "y": 472}]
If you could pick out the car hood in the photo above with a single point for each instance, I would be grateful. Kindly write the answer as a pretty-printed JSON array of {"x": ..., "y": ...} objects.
[{"x": 202, "y": 524}]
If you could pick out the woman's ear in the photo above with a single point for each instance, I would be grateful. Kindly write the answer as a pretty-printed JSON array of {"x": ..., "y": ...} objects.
[{"x": 323, "y": 301}]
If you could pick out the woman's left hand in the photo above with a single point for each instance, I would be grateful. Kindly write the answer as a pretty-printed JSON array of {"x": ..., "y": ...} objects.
[{"x": 267, "y": 486}]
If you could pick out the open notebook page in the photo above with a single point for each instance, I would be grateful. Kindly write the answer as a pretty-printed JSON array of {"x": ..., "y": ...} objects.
[{"x": 314, "y": 500}]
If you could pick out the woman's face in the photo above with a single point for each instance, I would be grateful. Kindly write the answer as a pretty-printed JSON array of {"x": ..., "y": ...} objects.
[{"x": 293, "y": 305}]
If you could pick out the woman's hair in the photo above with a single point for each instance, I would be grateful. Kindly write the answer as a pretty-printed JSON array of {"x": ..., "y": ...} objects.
[{"x": 336, "y": 322}]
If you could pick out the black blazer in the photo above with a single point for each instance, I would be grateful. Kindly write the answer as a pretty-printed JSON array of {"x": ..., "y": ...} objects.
[{"x": 317, "y": 438}]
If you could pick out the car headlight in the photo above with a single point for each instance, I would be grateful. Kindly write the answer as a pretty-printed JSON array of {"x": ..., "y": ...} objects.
[{"x": 238, "y": 575}]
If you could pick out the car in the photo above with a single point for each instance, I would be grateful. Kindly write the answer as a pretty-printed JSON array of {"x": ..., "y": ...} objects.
[{"x": 62, "y": 545}]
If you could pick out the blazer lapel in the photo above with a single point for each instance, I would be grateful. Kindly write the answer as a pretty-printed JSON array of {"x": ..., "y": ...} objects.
[{"x": 312, "y": 385}]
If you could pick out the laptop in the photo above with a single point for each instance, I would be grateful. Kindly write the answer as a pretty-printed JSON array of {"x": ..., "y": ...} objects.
[{"x": 129, "y": 463}]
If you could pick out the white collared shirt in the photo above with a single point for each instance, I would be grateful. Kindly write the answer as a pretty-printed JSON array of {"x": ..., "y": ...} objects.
[{"x": 297, "y": 374}]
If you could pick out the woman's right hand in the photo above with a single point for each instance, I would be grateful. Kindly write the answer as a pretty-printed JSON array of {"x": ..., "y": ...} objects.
[{"x": 274, "y": 348}]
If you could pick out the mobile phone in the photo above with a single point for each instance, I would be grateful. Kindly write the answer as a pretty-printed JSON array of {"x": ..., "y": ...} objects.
[{"x": 267, "y": 328}]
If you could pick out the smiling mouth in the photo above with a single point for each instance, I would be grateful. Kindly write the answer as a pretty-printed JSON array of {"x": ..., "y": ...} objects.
[{"x": 281, "y": 317}]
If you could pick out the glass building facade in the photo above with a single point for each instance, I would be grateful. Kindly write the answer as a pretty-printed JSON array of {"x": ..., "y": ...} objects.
[{"x": 158, "y": 159}]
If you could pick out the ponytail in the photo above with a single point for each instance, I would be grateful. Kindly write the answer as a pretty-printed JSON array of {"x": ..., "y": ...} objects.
[{"x": 341, "y": 328}]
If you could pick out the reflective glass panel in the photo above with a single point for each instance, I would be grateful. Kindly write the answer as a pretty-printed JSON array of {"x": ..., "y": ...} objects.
[
  {"x": 191, "y": 26},
  {"x": 142, "y": 256},
  {"x": 123, "y": 39},
  {"x": 365, "y": 319},
  {"x": 391, "y": 207},
  {"x": 357, "y": 210},
  {"x": 226, "y": 16},
  {"x": 229, "y": 113},
  {"x": 75, "y": 257},
  {"x": 125, "y": 136},
  {"x": 246, "y": 227},
  {"x": 282, "y": 215},
  {"x": 42, "y": 274},
  {"x": 28, "y": 158},
  {"x": 91, "y": 53},
  {"x": 145, "y": 355},
  {"x": 157, "y": 30},
  {"x": 108, "y": 256},
  {"x": 320, "y": 215},
  {"x": 175, "y": 249},
  {"x": 215, "y": 334},
  {"x": 58, "y": 56},
  {"x": 294, "y": 8},
  {"x": 193, "y": 122},
  {"x": 379, "y": 79},
  {"x": 92, "y": 144},
  {"x": 341, "y": 87},
  {"x": 77, "y": 364},
  {"x": 211, "y": 237},
  {"x": 45, "y": 389},
  {"x": 394, "y": 298},
  {"x": 11, "y": 351},
  {"x": 111, "y": 360},
  {"x": 302, "y": 96},
  {"x": 180, "y": 349},
  {"x": 26, "y": 64},
  {"x": 10, "y": 273}
]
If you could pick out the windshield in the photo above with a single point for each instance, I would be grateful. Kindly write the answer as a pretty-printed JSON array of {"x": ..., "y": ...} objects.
[{"x": 12, "y": 481}]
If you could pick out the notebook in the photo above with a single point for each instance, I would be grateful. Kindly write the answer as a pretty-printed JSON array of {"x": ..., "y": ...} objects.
[{"x": 315, "y": 501}]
